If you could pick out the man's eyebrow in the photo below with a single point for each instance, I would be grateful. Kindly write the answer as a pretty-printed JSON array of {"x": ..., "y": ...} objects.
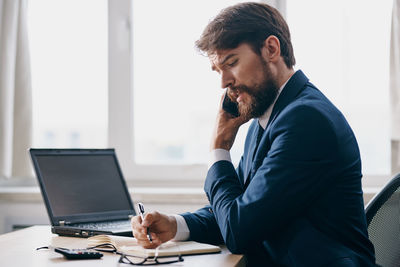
[
  {"x": 227, "y": 57},
  {"x": 224, "y": 60}
]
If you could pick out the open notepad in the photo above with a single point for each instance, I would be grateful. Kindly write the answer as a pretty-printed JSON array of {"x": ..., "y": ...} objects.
[{"x": 129, "y": 245}]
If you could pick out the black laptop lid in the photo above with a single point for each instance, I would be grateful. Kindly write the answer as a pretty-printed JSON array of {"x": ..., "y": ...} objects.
[{"x": 82, "y": 185}]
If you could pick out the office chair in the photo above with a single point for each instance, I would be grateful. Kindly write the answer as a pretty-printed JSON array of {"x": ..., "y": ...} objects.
[{"x": 383, "y": 221}]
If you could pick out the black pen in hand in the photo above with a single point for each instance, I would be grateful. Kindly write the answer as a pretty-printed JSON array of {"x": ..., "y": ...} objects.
[{"x": 141, "y": 212}]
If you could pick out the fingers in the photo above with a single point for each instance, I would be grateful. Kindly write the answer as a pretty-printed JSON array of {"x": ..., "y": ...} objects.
[
  {"x": 242, "y": 119},
  {"x": 141, "y": 226},
  {"x": 139, "y": 230},
  {"x": 149, "y": 218},
  {"x": 140, "y": 233},
  {"x": 146, "y": 243},
  {"x": 155, "y": 243}
]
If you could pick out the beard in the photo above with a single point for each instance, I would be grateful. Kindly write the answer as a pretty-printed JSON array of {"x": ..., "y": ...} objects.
[{"x": 262, "y": 95}]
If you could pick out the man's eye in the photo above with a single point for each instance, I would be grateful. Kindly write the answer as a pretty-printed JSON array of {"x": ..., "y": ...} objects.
[{"x": 233, "y": 63}]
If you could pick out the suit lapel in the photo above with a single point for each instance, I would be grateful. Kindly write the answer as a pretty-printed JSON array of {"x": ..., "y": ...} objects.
[
  {"x": 294, "y": 86},
  {"x": 251, "y": 151}
]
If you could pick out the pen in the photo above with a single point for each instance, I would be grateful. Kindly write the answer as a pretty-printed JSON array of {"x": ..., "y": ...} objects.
[{"x": 141, "y": 212}]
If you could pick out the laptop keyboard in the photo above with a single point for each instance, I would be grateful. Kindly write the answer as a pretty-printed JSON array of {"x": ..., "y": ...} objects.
[{"x": 105, "y": 225}]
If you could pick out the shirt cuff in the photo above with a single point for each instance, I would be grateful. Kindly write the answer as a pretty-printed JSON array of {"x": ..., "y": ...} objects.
[
  {"x": 182, "y": 230},
  {"x": 218, "y": 155}
]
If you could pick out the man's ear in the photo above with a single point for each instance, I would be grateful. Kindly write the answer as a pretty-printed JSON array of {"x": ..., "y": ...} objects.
[{"x": 271, "y": 50}]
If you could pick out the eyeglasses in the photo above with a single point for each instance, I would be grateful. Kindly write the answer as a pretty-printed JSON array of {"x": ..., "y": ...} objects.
[
  {"x": 135, "y": 260},
  {"x": 138, "y": 260}
]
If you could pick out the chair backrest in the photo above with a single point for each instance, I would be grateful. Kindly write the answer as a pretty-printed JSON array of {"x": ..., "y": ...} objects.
[{"x": 383, "y": 220}]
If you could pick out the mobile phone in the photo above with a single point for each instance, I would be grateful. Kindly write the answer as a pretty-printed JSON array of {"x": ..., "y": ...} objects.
[{"x": 229, "y": 106}]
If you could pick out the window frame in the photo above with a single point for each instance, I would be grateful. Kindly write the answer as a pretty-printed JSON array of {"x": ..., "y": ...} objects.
[{"x": 120, "y": 101}]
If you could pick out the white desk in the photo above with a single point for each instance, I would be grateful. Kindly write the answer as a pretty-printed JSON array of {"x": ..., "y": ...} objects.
[{"x": 19, "y": 249}]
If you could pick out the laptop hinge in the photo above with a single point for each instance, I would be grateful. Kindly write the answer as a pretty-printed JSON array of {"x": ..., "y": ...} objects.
[{"x": 62, "y": 223}]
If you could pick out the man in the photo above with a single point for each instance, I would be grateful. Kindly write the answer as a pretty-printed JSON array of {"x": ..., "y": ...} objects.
[{"x": 295, "y": 198}]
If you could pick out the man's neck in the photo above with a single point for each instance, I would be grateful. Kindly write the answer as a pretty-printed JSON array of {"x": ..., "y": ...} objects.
[
  {"x": 263, "y": 119},
  {"x": 284, "y": 75}
]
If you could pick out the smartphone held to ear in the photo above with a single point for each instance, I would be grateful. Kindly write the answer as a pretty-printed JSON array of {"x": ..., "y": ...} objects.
[{"x": 229, "y": 106}]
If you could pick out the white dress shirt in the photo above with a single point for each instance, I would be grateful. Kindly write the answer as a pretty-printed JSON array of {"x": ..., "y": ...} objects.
[{"x": 216, "y": 155}]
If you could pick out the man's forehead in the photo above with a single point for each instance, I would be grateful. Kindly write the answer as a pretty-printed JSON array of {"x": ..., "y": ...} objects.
[{"x": 220, "y": 55}]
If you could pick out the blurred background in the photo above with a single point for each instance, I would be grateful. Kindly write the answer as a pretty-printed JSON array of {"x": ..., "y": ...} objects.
[{"x": 126, "y": 74}]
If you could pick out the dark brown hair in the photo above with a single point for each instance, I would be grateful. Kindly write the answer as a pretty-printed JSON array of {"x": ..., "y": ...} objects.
[{"x": 249, "y": 23}]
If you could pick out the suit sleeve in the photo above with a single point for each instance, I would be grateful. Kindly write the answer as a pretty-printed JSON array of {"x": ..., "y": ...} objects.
[
  {"x": 202, "y": 224},
  {"x": 290, "y": 177}
]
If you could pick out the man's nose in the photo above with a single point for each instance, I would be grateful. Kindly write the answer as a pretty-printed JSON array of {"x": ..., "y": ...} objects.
[{"x": 227, "y": 79}]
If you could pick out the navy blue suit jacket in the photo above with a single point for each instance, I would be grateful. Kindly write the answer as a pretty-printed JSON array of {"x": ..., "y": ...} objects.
[{"x": 299, "y": 201}]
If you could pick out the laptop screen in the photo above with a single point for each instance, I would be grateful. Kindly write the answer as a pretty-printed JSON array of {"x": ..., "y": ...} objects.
[{"x": 82, "y": 183}]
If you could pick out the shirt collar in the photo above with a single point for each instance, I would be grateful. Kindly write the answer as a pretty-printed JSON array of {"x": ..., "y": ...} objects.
[{"x": 263, "y": 119}]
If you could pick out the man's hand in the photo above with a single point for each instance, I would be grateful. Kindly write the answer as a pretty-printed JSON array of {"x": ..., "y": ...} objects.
[
  {"x": 162, "y": 228},
  {"x": 226, "y": 128}
]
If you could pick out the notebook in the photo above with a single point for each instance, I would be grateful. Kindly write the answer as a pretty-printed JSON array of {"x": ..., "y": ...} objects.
[
  {"x": 84, "y": 191},
  {"x": 129, "y": 245}
]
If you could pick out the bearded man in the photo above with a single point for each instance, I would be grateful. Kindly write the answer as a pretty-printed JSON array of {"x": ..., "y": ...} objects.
[{"x": 296, "y": 198}]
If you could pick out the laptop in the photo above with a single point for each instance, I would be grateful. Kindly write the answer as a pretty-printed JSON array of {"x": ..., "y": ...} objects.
[{"x": 84, "y": 191}]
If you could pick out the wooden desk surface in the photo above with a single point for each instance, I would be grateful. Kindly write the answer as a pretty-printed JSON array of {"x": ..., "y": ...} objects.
[{"x": 19, "y": 249}]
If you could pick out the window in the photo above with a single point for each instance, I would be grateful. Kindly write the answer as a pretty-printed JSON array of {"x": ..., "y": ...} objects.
[
  {"x": 343, "y": 46},
  {"x": 176, "y": 95},
  {"x": 68, "y": 46},
  {"x": 162, "y": 96}
]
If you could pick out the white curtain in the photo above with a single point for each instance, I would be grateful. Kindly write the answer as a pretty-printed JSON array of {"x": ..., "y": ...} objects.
[
  {"x": 15, "y": 90},
  {"x": 395, "y": 86}
]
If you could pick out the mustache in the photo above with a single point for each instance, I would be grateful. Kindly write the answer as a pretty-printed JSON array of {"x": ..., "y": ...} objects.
[{"x": 234, "y": 91}]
